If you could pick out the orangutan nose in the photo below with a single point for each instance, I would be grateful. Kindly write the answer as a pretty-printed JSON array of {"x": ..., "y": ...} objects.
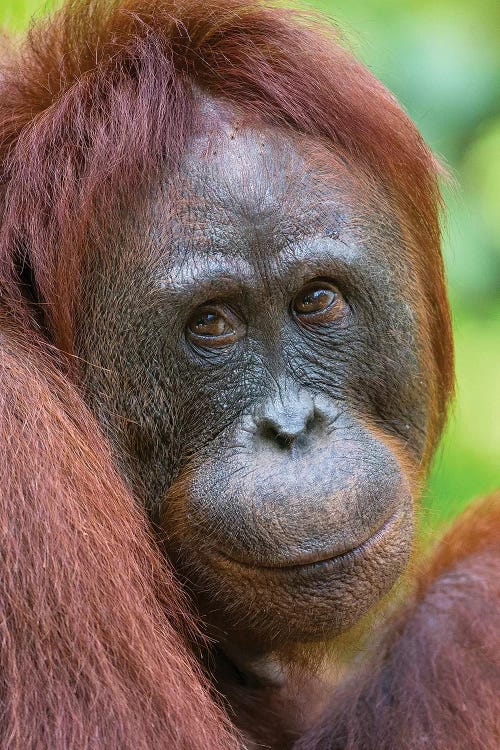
[{"x": 287, "y": 419}]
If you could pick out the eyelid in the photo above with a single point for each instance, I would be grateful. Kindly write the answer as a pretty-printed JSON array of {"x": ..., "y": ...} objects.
[
  {"x": 333, "y": 312},
  {"x": 316, "y": 283},
  {"x": 311, "y": 289},
  {"x": 221, "y": 309}
]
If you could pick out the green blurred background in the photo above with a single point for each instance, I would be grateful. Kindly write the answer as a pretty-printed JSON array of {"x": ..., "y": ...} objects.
[{"x": 442, "y": 59}]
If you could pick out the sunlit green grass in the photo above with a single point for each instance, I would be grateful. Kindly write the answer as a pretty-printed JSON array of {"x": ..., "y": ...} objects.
[{"x": 448, "y": 79}]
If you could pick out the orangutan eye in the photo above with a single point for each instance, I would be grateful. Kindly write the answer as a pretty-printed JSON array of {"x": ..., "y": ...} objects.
[
  {"x": 210, "y": 326},
  {"x": 318, "y": 302}
]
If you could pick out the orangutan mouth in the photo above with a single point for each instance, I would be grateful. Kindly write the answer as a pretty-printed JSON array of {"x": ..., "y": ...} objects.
[{"x": 316, "y": 559}]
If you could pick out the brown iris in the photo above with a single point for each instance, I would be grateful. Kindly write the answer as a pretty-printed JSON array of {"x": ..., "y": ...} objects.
[
  {"x": 318, "y": 302},
  {"x": 212, "y": 326}
]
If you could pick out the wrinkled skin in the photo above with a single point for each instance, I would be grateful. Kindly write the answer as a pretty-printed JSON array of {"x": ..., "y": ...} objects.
[{"x": 275, "y": 462}]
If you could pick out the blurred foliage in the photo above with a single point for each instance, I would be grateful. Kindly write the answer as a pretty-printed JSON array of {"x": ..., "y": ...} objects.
[{"x": 442, "y": 59}]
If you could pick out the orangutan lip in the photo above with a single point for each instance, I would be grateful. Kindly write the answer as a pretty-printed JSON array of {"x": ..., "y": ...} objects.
[{"x": 318, "y": 559}]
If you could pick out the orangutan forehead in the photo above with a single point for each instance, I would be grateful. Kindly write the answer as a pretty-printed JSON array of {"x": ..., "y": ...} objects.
[{"x": 237, "y": 178}]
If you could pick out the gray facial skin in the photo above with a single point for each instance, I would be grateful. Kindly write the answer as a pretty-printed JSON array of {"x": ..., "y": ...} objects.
[{"x": 273, "y": 462}]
